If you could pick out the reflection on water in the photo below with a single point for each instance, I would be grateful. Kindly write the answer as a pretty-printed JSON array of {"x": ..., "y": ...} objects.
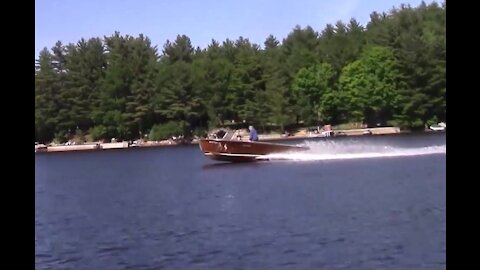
[
  {"x": 233, "y": 165},
  {"x": 173, "y": 208}
]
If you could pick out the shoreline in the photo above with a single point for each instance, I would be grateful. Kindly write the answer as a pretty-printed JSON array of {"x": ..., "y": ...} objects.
[{"x": 262, "y": 137}]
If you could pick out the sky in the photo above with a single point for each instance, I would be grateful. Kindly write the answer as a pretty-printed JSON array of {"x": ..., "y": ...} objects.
[{"x": 200, "y": 20}]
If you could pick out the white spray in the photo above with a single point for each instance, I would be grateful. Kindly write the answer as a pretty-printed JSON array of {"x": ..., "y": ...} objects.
[{"x": 330, "y": 150}]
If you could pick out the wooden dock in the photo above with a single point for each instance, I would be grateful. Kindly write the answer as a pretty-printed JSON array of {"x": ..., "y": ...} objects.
[{"x": 262, "y": 137}]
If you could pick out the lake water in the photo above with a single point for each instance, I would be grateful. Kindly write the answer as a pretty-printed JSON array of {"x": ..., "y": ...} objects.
[{"x": 374, "y": 202}]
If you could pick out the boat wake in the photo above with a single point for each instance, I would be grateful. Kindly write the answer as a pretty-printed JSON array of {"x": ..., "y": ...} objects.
[{"x": 331, "y": 150}]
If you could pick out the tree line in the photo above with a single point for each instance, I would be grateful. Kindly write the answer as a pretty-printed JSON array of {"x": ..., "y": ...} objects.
[{"x": 389, "y": 72}]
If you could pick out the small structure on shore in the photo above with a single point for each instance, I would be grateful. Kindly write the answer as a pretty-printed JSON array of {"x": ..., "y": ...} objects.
[{"x": 439, "y": 127}]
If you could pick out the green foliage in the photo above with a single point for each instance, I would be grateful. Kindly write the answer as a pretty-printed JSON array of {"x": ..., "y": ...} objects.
[
  {"x": 60, "y": 137},
  {"x": 165, "y": 131},
  {"x": 369, "y": 85},
  {"x": 310, "y": 85},
  {"x": 200, "y": 132},
  {"x": 390, "y": 71},
  {"x": 98, "y": 132}
]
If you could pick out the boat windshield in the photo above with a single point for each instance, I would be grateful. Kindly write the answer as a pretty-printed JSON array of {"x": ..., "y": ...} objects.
[{"x": 222, "y": 134}]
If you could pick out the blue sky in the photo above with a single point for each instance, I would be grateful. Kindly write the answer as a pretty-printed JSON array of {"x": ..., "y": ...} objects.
[{"x": 201, "y": 20}]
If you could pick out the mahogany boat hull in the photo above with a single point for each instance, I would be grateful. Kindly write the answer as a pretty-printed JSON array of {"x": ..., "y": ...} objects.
[{"x": 243, "y": 151}]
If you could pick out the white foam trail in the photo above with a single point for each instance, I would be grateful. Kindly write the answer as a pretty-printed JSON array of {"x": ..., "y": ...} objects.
[{"x": 330, "y": 150}]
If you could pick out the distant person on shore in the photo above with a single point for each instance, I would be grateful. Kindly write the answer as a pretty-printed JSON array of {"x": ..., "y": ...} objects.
[{"x": 253, "y": 134}]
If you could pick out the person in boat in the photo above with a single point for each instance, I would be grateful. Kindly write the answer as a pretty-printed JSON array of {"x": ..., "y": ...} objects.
[
  {"x": 253, "y": 134},
  {"x": 237, "y": 135}
]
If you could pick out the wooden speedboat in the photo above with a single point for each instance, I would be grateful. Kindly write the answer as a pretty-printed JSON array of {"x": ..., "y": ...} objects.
[{"x": 227, "y": 148}]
